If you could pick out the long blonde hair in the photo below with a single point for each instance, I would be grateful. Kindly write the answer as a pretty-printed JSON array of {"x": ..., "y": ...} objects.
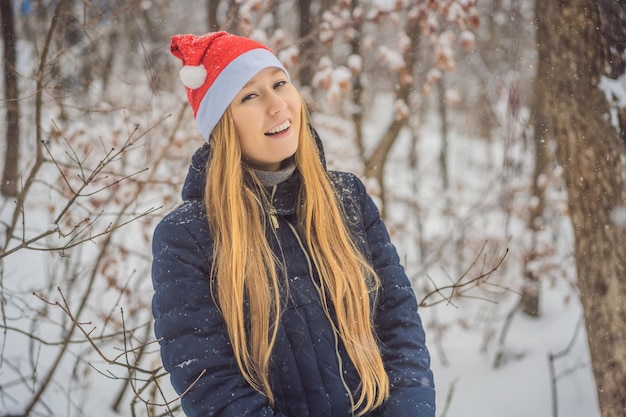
[{"x": 246, "y": 271}]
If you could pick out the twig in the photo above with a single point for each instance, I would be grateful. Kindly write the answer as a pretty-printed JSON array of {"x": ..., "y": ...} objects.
[
  {"x": 459, "y": 288},
  {"x": 552, "y": 357},
  {"x": 505, "y": 330},
  {"x": 38, "y": 339},
  {"x": 87, "y": 334},
  {"x": 446, "y": 405},
  {"x": 153, "y": 373}
]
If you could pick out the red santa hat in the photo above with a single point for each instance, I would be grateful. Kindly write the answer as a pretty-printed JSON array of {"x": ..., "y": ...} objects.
[{"x": 216, "y": 66}]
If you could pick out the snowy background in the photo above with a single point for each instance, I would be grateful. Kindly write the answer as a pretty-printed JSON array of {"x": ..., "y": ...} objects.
[{"x": 489, "y": 359}]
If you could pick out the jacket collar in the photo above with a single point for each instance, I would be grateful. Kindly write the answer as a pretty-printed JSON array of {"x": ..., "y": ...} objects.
[{"x": 193, "y": 188}]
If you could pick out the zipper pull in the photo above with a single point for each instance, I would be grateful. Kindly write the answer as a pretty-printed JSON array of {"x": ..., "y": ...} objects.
[
  {"x": 272, "y": 210},
  {"x": 273, "y": 218}
]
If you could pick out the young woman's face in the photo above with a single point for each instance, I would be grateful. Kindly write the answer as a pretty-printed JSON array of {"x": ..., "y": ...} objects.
[{"x": 266, "y": 114}]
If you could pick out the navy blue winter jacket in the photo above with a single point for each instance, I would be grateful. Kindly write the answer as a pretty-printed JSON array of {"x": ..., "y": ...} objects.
[{"x": 310, "y": 368}]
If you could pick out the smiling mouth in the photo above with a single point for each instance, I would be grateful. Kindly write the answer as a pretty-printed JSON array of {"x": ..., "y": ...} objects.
[{"x": 279, "y": 129}]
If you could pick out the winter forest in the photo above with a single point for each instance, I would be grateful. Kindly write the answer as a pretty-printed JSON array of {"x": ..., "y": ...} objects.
[{"x": 491, "y": 132}]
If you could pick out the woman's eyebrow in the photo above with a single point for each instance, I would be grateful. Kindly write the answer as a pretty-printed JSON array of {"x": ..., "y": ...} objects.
[{"x": 273, "y": 73}]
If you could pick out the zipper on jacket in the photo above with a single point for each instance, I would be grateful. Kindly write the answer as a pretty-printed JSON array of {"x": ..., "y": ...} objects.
[
  {"x": 332, "y": 325},
  {"x": 272, "y": 210}
]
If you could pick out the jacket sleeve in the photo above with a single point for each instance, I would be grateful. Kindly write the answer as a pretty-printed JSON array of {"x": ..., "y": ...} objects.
[
  {"x": 398, "y": 325},
  {"x": 195, "y": 349}
]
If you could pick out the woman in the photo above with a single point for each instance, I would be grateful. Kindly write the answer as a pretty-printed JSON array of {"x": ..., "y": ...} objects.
[{"x": 277, "y": 290}]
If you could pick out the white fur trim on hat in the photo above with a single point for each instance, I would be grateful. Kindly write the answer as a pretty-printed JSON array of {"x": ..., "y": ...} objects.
[{"x": 193, "y": 76}]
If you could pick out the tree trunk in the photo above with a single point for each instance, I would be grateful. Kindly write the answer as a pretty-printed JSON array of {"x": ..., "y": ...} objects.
[
  {"x": 8, "y": 188},
  {"x": 375, "y": 164},
  {"x": 357, "y": 86},
  {"x": 307, "y": 46},
  {"x": 591, "y": 154},
  {"x": 211, "y": 15},
  {"x": 443, "y": 116},
  {"x": 542, "y": 129},
  {"x": 232, "y": 16}
]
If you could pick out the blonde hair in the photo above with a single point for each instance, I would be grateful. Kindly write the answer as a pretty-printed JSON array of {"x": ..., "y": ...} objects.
[{"x": 245, "y": 270}]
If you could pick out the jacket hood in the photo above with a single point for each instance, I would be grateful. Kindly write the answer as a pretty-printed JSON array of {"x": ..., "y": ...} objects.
[{"x": 195, "y": 181}]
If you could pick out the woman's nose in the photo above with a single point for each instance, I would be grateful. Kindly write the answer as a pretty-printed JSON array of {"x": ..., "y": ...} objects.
[{"x": 276, "y": 103}]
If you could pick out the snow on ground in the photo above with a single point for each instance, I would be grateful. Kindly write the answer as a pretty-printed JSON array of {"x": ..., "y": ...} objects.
[{"x": 522, "y": 385}]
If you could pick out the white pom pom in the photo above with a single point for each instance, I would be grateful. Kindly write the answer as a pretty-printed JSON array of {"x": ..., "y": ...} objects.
[{"x": 193, "y": 76}]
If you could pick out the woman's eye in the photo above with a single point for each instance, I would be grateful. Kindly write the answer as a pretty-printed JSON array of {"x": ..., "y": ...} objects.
[
  {"x": 248, "y": 97},
  {"x": 279, "y": 84}
]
